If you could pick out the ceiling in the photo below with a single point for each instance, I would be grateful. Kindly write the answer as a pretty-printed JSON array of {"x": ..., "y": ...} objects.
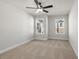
[{"x": 61, "y": 7}]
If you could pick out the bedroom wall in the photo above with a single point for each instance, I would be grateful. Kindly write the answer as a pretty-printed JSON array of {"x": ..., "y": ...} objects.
[
  {"x": 73, "y": 27},
  {"x": 52, "y": 27},
  {"x": 16, "y": 26}
]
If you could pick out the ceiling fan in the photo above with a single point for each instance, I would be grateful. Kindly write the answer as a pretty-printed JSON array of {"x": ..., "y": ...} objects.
[{"x": 40, "y": 7}]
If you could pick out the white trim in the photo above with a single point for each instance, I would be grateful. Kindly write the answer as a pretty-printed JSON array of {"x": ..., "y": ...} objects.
[
  {"x": 58, "y": 38},
  {"x": 53, "y": 38},
  {"x": 73, "y": 48},
  {"x": 14, "y": 46},
  {"x": 40, "y": 38}
]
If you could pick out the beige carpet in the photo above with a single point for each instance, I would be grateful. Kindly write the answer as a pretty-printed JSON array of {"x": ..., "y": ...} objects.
[{"x": 49, "y": 49}]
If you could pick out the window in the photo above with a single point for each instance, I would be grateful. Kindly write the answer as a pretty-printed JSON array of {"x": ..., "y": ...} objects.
[
  {"x": 39, "y": 26},
  {"x": 59, "y": 25}
]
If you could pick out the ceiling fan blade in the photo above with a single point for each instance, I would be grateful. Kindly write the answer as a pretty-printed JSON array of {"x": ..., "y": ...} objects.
[
  {"x": 45, "y": 11},
  {"x": 37, "y": 3},
  {"x": 49, "y": 6},
  {"x": 31, "y": 7}
]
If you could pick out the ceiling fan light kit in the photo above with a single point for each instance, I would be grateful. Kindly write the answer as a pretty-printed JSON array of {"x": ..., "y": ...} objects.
[
  {"x": 39, "y": 10},
  {"x": 39, "y": 7}
]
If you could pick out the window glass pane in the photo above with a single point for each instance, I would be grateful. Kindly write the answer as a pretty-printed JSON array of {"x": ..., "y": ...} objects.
[
  {"x": 39, "y": 26},
  {"x": 60, "y": 25}
]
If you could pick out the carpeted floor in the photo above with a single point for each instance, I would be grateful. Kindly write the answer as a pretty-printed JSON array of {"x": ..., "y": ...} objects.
[{"x": 38, "y": 49}]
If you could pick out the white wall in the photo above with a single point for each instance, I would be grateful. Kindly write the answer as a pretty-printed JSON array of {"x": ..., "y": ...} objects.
[
  {"x": 73, "y": 27},
  {"x": 52, "y": 29},
  {"x": 15, "y": 26}
]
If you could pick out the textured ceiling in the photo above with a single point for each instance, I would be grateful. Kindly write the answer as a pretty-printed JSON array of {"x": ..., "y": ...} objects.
[{"x": 60, "y": 6}]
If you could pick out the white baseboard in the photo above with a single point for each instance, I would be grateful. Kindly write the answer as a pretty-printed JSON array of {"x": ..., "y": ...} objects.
[
  {"x": 58, "y": 38},
  {"x": 14, "y": 46},
  {"x": 41, "y": 38},
  {"x": 73, "y": 48}
]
